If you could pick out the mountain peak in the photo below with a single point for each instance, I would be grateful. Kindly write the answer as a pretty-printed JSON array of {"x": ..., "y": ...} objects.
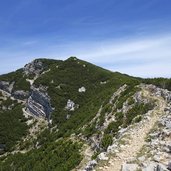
[{"x": 80, "y": 114}]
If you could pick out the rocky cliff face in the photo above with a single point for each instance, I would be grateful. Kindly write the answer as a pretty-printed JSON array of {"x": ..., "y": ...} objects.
[
  {"x": 39, "y": 103},
  {"x": 20, "y": 94},
  {"x": 6, "y": 86},
  {"x": 35, "y": 67},
  {"x": 36, "y": 99}
]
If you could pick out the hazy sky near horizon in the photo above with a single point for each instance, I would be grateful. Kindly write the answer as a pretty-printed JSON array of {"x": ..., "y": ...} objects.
[{"x": 129, "y": 36}]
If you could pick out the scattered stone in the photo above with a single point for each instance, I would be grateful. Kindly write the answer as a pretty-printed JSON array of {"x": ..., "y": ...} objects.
[
  {"x": 6, "y": 86},
  {"x": 157, "y": 158},
  {"x": 141, "y": 159},
  {"x": 103, "y": 82},
  {"x": 82, "y": 89},
  {"x": 122, "y": 131},
  {"x": 112, "y": 148},
  {"x": 102, "y": 156},
  {"x": 68, "y": 116},
  {"x": 90, "y": 165},
  {"x": 150, "y": 167},
  {"x": 70, "y": 105},
  {"x": 131, "y": 160},
  {"x": 129, "y": 167},
  {"x": 169, "y": 166},
  {"x": 50, "y": 121},
  {"x": 20, "y": 94}
]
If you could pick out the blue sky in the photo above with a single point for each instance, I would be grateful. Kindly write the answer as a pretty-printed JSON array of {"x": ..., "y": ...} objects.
[{"x": 129, "y": 36}]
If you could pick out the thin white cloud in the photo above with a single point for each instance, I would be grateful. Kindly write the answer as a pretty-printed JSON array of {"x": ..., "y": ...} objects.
[
  {"x": 130, "y": 49},
  {"x": 139, "y": 56},
  {"x": 146, "y": 57},
  {"x": 149, "y": 70}
]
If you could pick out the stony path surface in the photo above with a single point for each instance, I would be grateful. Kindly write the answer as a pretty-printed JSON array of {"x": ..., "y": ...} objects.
[
  {"x": 87, "y": 153},
  {"x": 137, "y": 136}
]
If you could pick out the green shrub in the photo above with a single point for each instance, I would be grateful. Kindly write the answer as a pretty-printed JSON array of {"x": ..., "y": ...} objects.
[
  {"x": 90, "y": 130},
  {"x": 131, "y": 101},
  {"x": 106, "y": 141},
  {"x": 138, "y": 109},
  {"x": 119, "y": 116},
  {"x": 160, "y": 82},
  {"x": 62, "y": 155},
  {"x": 137, "y": 119},
  {"x": 113, "y": 127},
  {"x": 130, "y": 90},
  {"x": 12, "y": 127}
]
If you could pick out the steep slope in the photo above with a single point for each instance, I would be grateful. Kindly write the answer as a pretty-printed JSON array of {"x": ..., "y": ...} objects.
[
  {"x": 15, "y": 89},
  {"x": 68, "y": 114},
  {"x": 136, "y": 136},
  {"x": 67, "y": 80},
  {"x": 67, "y": 94}
]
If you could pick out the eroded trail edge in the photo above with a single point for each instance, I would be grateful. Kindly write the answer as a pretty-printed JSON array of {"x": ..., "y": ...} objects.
[{"x": 134, "y": 139}]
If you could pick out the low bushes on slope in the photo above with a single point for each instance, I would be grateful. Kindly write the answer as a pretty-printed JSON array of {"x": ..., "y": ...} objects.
[
  {"x": 12, "y": 127},
  {"x": 63, "y": 81},
  {"x": 55, "y": 156},
  {"x": 160, "y": 82}
]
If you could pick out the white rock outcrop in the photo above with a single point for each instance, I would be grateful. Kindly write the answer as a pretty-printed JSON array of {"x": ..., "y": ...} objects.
[
  {"x": 70, "y": 105},
  {"x": 103, "y": 156},
  {"x": 82, "y": 90}
]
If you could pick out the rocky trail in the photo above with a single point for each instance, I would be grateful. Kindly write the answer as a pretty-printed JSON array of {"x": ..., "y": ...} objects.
[{"x": 135, "y": 137}]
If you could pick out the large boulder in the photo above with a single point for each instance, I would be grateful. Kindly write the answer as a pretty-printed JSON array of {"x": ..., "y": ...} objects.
[
  {"x": 130, "y": 167},
  {"x": 91, "y": 164},
  {"x": 169, "y": 166},
  {"x": 153, "y": 166},
  {"x": 20, "y": 94},
  {"x": 103, "y": 156}
]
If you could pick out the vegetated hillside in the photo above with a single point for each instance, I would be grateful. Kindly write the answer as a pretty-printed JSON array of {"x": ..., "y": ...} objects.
[
  {"x": 160, "y": 82},
  {"x": 53, "y": 111},
  {"x": 66, "y": 80}
]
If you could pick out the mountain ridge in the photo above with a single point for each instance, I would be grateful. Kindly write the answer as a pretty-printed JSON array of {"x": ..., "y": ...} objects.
[{"x": 71, "y": 106}]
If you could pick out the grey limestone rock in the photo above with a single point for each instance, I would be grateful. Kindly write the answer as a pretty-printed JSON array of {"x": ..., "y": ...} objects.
[
  {"x": 169, "y": 166},
  {"x": 20, "y": 94},
  {"x": 91, "y": 164},
  {"x": 153, "y": 166},
  {"x": 39, "y": 104},
  {"x": 129, "y": 167},
  {"x": 70, "y": 105},
  {"x": 82, "y": 90},
  {"x": 6, "y": 86},
  {"x": 102, "y": 156},
  {"x": 35, "y": 67}
]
